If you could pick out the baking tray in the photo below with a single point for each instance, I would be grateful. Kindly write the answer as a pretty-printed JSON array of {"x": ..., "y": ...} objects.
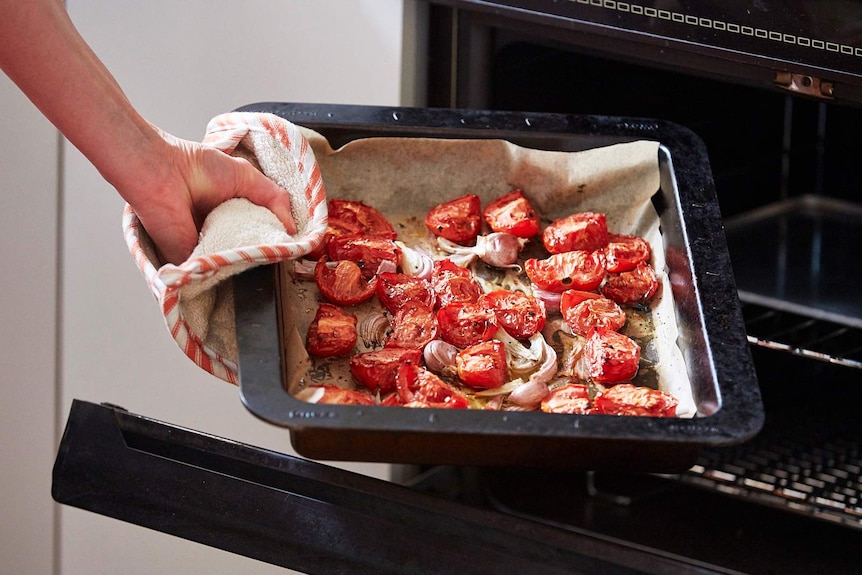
[{"x": 711, "y": 331}]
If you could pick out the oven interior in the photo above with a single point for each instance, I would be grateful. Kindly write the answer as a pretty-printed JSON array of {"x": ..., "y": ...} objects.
[{"x": 784, "y": 167}]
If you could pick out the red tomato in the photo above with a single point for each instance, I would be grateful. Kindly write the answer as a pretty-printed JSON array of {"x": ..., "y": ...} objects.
[
  {"x": 466, "y": 324},
  {"x": 623, "y": 252},
  {"x": 332, "y": 332},
  {"x": 513, "y": 214},
  {"x": 582, "y": 315},
  {"x": 332, "y": 394},
  {"x": 418, "y": 387},
  {"x": 632, "y": 287},
  {"x": 483, "y": 365},
  {"x": 608, "y": 357},
  {"x": 453, "y": 284},
  {"x": 414, "y": 325},
  {"x": 377, "y": 369},
  {"x": 587, "y": 231},
  {"x": 368, "y": 252},
  {"x": 521, "y": 315},
  {"x": 335, "y": 227},
  {"x": 342, "y": 283},
  {"x": 579, "y": 270},
  {"x": 360, "y": 215},
  {"x": 457, "y": 220},
  {"x": 628, "y": 399},
  {"x": 570, "y": 398},
  {"x": 394, "y": 290}
]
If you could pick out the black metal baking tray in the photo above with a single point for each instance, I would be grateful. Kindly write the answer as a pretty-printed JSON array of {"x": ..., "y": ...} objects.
[{"x": 712, "y": 334}]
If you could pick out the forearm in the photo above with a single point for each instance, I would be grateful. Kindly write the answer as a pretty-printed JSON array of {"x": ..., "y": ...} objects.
[{"x": 82, "y": 99}]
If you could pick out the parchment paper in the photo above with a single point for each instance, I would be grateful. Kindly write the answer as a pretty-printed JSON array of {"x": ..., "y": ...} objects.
[{"x": 405, "y": 177}]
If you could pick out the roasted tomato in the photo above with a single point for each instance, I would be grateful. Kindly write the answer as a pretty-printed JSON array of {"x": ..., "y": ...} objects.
[
  {"x": 587, "y": 231},
  {"x": 579, "y": 270},
  {"x": 342, "y": 283},
  {"x": 628, "y": 399},
  {"x": 368, "y": 220},
  {"x": 632, "y": 287},
  {"x": 332, "y": 394},
  {"x": 413, "y": 325},
  {"x": 395, "y": 289},
  {"x": 570, "y": 398},
  {"x": 608, "y": 357},
  {"x": 583, "y": 314},
  {"x": 418, "y": 387},
  {"x": 513, "y": 214},
  {"x": 453, "y": 284},
  {"x": 624, "y": 252},
  {"x": 483, "y": 365},
  {"x": 332, "y": 332},
  {"x": 521, "y": 315},
  {"x": 368, "y": 252},
  {"x": 377, "y": 369},
  {"x": 457, "y": 220},
  {"x": 466, "y": 324}
]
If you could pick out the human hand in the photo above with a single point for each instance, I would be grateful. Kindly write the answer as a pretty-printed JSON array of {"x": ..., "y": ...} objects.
[{"x": 191, "y": 179}]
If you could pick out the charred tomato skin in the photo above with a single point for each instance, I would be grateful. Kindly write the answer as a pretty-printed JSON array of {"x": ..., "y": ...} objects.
[
  {"x": 458, "y": 220},
  {"x": 453, "y": 284},
  {"x": 466, "y": 324},
  {"x": 332, "y": 332},
  {"x": 608, "y": 357},
  {"x": 583, "y": 314},
  {"x": 624, "y": 252},
  {"x": 367, "y": 251},
  {"x": 633, "y": 287},
  {"x": 512, "y": 213},
  {"x": 413, "y": 326},
  {"x": 418, "y": 387},
  {"x": 395, "y": 289}
]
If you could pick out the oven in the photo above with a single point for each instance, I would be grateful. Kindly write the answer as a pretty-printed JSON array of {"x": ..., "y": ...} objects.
[{"x": 774, "y": 93}]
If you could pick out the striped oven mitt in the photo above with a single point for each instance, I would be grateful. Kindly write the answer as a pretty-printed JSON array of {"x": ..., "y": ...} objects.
[{"x": 196, "y": 301}]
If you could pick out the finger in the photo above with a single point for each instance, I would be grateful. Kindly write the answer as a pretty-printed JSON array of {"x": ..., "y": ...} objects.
[
  {"x": 254, "y": 186},
  {"x": 175, "y": 238}
]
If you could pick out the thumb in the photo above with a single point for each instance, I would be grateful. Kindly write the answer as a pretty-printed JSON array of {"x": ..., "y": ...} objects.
[{"x": 254, "y": 186}]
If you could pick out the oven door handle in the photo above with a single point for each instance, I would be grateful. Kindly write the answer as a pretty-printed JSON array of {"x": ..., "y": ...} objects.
[{"x": 304, "y": 515}]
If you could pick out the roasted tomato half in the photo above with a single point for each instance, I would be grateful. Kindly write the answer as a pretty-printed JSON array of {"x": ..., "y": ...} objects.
[
  {"x": 583, "y": 314},
  {"x": 632, "y": 287},
  {"x": 466, "y": 324},
  {"x": 413, "y": 325},
  {"x": 395, "y": 289},
  {"x": 608, "y": 357},
  {"x": 377, "y": 369},
  {"x": 457, "y": 220},
  {"x": 368, "y": 252},
  {"x": 332, "y": 332},
  {"x": 332, "y": 394},
  {"x": 628, "y": 399},
  {"x": 624, "y": 252},
  {"x": 453, "y": 284},
  {"x": 483, "y": 365},
  {"x": 342, "y": 282},
  {"x": 521, "y": 315},
  {"x": 360, "y": 215},
  {"x": 513, "y": 214},
  {"x": 587, "y": 231},
  {"x": 418, "y": 387},
  {"x": 579, "y": 270},
  {"x": 570, "y": 398}
]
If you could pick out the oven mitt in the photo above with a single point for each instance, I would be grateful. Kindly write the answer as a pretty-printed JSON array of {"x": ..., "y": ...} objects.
[{"x": 196, "y": 301}]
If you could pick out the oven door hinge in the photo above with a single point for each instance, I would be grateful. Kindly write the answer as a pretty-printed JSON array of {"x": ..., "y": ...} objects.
[{"x": 804, "y": 84}]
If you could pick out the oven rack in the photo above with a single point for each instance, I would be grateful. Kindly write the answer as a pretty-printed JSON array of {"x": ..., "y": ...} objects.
[{"x": 802, "y": 335}]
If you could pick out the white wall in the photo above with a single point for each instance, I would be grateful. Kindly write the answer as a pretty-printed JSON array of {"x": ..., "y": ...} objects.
[{"x": 180, "y": 63}]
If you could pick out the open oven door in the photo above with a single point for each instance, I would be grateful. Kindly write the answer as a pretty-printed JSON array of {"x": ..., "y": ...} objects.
[{"x": 306, "y": 516}]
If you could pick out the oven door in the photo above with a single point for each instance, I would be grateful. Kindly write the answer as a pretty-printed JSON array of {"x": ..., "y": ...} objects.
[{"x": 306, "y": 516}]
